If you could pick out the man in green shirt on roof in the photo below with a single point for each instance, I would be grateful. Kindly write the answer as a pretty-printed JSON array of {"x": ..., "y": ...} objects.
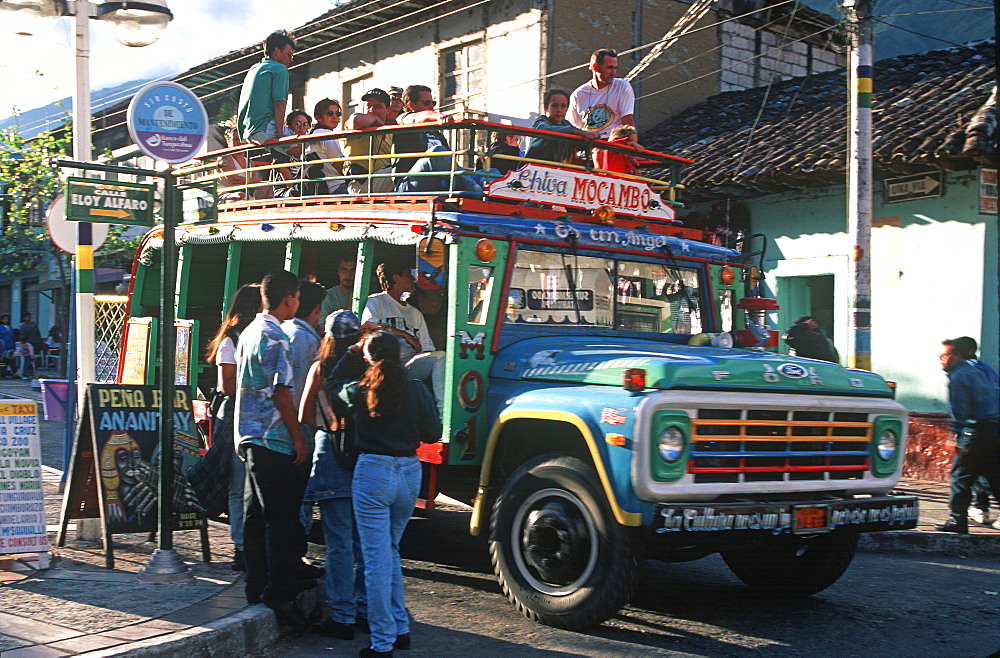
[{"x": 264, "y": 97}]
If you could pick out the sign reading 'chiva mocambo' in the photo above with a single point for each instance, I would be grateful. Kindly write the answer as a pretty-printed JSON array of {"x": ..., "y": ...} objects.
[{"x": 580, "y": 189}]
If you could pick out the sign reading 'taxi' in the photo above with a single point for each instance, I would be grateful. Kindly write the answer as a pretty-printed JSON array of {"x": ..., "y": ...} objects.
[{"x": 111, "y": 202}]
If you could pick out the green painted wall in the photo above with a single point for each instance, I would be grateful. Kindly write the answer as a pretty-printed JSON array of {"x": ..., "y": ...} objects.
[{"x": 934, "y": 276}]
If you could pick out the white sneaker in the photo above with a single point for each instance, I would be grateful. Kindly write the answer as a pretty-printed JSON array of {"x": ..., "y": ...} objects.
[
  {"x": 996, "y": 525},
  {"x": 979, "y": 516}
]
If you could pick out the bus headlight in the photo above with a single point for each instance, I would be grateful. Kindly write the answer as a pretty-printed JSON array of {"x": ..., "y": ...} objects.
[
  {"x": 887, "y": 445},
  {"x": 671, "y": 444}
]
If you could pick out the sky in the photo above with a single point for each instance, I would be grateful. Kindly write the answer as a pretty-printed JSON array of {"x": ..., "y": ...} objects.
[{"x": 41, "y": 69}]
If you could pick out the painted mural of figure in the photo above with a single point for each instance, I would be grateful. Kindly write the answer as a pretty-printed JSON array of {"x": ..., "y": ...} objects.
[{"x": 128, "y": 496}]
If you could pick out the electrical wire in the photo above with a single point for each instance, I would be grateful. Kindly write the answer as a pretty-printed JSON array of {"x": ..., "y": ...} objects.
[
  {"x": 919, "y": 34},
  {"x": 937, "y": 11}
]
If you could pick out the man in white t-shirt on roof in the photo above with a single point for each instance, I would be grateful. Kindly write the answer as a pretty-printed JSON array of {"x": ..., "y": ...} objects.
[
  {"x": 604, "y": 102},
  {"x": 388, "y": 309}
]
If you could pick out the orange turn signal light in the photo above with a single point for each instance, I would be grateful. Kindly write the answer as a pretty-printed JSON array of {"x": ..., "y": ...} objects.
[
  {"x": 635, "y": 379},
  {"x": 485, "y": 250}
]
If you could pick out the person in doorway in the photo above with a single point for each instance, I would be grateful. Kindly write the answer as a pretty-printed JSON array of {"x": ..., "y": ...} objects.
[
  {"x": 395, "y": 315},
  {"x": 604, "y": 102},
  {"x": 392, "y": 416},
  {"x": 967, "y": 348},
  {"x": 806, "y": 339},
  {"x": 269, "y": 438},
  {"x": 975, "y": 413},
  {"x": 222, "y": 352},
  {"x": 339, "y": 296}
]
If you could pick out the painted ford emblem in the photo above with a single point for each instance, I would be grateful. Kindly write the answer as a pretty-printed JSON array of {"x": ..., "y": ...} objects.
[{"x": 793, "y": 370}]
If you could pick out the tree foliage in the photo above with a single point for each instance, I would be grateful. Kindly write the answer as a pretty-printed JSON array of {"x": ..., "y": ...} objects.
[{"x": 31, "y": 180}]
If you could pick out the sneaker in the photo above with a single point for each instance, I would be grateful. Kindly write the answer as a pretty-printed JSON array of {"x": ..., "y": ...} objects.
[
  {"x": 361, "y": 625},
  {"x": 402, "y": 642},
  {"x": 978, "y": 515},
  {"x": 334, "y": 629},
  {"x": 238, "y": 564},
  {"x": 996, "y": 525},
  {"x": 368, "y": 651},
  {"x": 954, "y": 526},
  {"x": 288, "y": 614}
]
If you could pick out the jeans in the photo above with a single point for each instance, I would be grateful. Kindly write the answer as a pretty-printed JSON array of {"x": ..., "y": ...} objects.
[
  {"x": 464, "y": 182},
  {"x": 981, "y": 457},
  {"x": 345, "y": 563},
  {"x": 429, "y": 367},
  {"x": 25, "y": 366},
  {"x": 237, "y": 494},
  {"x": 273, "y": 539},
  {"x": 385, "y": 491}
]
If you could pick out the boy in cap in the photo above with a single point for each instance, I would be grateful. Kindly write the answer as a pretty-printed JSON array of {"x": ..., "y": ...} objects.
[{"x": 377, "y": 144}]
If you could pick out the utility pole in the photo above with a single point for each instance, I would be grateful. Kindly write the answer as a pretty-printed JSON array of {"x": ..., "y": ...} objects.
[{"x": 859, "y": 196}]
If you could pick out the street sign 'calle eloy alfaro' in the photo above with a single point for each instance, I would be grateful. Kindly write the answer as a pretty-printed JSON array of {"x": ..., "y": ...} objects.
[{"x": 112, "y": 202}]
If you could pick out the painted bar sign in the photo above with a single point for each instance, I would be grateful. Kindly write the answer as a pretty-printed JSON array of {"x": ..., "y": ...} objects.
[
  {"x": 22, "y": 500},
  {"x": 579, "y": 189},
  {"x": 109, "y": 202}
]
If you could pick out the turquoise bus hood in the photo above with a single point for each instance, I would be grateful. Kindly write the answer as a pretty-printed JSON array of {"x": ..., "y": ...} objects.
[{"x": 601, "y": 360}]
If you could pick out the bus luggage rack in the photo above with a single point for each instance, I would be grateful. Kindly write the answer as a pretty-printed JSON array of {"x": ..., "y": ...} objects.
[{"x": 778, "y": 445}]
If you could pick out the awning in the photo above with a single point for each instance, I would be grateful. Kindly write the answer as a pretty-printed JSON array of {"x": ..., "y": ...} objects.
[{"x": 51, "y": 284}]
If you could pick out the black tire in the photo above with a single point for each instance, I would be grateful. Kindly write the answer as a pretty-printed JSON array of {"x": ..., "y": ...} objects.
[
  {"x": 794, "y": 567},
  {"x": 557, "y": 550}
]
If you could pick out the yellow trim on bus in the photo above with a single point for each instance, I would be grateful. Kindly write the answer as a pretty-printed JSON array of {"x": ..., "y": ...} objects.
[{"x": 623, "y": 517}]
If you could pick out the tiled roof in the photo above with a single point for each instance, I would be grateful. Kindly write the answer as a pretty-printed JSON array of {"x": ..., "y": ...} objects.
[{"x": 931, "y": 110}]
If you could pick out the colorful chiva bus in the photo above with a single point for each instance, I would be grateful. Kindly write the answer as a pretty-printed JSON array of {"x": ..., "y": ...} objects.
[{"x": 612, "y": 389}]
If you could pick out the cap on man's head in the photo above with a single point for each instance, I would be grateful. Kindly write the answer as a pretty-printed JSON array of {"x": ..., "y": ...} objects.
[
  {"x": 342, "y": 324},
  {"x": 376, "y": 95},
  {"x": 395, "y": 91}
]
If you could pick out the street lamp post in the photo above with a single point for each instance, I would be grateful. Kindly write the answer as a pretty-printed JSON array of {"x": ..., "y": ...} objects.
[{"x": 136, "y": 24}]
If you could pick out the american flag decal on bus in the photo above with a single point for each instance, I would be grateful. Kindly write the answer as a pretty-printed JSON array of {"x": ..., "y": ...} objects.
[{"x": 611, "y": 416}]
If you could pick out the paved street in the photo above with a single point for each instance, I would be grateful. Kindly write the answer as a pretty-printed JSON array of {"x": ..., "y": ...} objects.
[{"x": 886, "y": 605}]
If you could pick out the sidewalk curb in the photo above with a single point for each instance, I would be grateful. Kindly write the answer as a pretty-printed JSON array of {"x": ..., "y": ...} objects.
[
  {"x": 921, "y": 542},
  {"x": 248, "y": 631}
]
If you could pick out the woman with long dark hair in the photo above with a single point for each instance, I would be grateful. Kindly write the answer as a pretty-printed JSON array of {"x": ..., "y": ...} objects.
[
  {"x": 392, "y": 415},
  {"x": 222, "y": 352},
  {"x": 330, "y": 482}
]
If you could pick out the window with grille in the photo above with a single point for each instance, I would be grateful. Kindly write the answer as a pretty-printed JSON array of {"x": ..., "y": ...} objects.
[
  {"x": 463, "y": 76},
  {"x": 353, "y": 91}
]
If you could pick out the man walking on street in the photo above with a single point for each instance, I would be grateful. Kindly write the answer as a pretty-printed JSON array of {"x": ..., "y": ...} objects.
[
  {"x": 976, "y": 423},
  {"x": 269, "y": 438}
]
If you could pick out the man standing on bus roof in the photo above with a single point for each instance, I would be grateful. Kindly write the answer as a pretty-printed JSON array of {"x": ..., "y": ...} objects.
[
  {"x": 407, "y": 323},
  {"x": 269, "y": 438},
  {"x": 604, "y": 102},
  {"x": 264, "y": 96},
  {"x": 975, "y": 413}
]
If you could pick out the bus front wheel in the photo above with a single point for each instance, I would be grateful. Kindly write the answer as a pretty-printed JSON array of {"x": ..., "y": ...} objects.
[{"x": 557, "y": 550}]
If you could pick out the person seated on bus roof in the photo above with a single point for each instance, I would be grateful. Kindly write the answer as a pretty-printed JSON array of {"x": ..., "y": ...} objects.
[
  {"x": 328, "y": 113},
  {"x": 554, "y": 120},
  {"x": 378, "y": 143},
  {"x": 396, "y": 106},
  {"x": 620, "y": 162},
  {"x": 503, "y": 144},
  {"x": 392, "y": 312},
  {"x": 237, "y": 163},
  {"x": 420, "y": 109}
]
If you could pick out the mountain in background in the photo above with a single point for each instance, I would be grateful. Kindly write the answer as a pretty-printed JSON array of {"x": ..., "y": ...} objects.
[
  {"x": 903, "y": 27},
  {"x": 55, "y": 114}
]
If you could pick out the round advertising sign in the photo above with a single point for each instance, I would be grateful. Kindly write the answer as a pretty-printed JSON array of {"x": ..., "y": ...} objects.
[
  {"x": 167, "y": 122},
  {"x": 63, "y": 232}
]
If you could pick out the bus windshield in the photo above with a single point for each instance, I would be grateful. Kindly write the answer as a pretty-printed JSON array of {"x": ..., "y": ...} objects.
[{"x": 612, "y": 293}]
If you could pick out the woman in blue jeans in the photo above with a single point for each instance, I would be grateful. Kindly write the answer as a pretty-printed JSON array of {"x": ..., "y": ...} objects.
[{"x": 392, "y": 416}]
